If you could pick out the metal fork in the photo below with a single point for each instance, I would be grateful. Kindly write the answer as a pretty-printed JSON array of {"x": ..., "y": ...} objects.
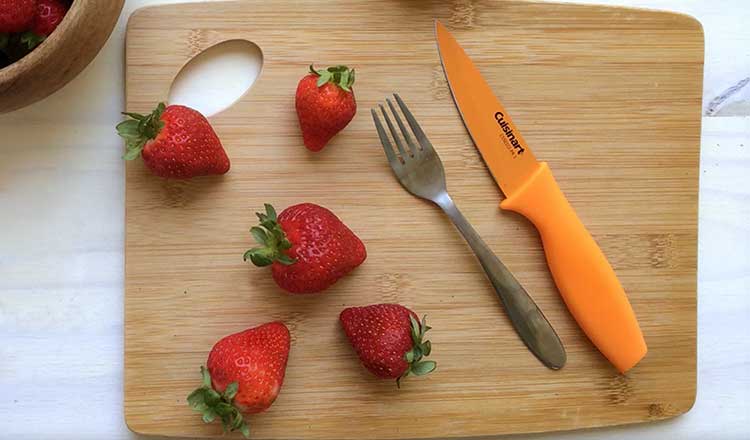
[{"x": 420, "y": 171}]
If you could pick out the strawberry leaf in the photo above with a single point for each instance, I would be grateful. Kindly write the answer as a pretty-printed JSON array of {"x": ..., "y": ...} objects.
[
  {"x": 424, "y": 327},
  {"x": 423, "y": 368},
  {"x": 416, "y": 334},
  {"x": 420, "y": 348},
  {"x": 197, "y": 398},
  {"x": 417, "y": 352},
  {"x": 31, "y": 40},
  {"x": 270, "y": 211},
  {"x": 285, "y": 244},
  {"x": 12, "y": 47},
  {"x": 324, "y": 78},
  {"x": 128, "y": 129},
  {"x": 409, "y": 356},
  {"x": 340, "y": 75},
  {"x": 272, "y": 239},
  {"x": 245, "y": 430},
  {"x": 231, "y": 391},
  {"x": 344, "y": 80},
  {"x": 212, "y": 397},
  {"x": 211, "y": 404},
  {"x": 206, "y": 377},
  {"x": 259, "y": 235},
  {"x": 209, "y": 415},
  {"x": 260, "y": 257},
  {"x": 140, "y": 129},
  {"x": 134, "y": 149},
  {"x": 426, "y": 348}
]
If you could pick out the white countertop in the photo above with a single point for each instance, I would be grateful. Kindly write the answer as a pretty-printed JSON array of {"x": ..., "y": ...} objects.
[{"x": 62, "y": 232}]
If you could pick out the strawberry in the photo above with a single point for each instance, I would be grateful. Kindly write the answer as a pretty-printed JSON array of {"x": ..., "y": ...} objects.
[
  {"x": 389, "y": 340},
  {"x": 16, "y": 15},
  {"x": 49, "y": 14},
  {"x": 307, "y": 247},
  {"x": 175, "y": 142},
  {"x": 244, "y": 375},
  {"x": 325, "y": 104}
]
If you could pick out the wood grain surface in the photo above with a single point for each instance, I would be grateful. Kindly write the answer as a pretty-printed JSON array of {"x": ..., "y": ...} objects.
[{"x": 610, "y": 97}]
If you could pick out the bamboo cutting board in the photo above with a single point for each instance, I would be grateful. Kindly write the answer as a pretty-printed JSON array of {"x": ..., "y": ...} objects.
[{"x": 610, "y": 97}]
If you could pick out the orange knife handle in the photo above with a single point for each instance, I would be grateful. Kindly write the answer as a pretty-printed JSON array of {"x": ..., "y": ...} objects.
[{"x": 582, "y": 273}]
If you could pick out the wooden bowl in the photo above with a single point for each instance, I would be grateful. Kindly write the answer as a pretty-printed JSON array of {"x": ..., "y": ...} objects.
[{"x": 62, "y": 56}]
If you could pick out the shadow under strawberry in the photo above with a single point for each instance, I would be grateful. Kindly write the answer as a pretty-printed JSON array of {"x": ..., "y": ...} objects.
[{"x": 184, "y": 193}]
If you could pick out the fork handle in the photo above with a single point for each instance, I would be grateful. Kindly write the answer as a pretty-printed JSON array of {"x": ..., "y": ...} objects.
[{"x": 528, "y": 320}]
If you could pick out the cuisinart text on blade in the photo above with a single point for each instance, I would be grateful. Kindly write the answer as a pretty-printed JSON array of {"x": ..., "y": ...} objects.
[{"x": 583, "y": 275}]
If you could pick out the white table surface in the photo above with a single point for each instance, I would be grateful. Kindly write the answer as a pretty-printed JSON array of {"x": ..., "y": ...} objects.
[{"x": 62, "y": 233}]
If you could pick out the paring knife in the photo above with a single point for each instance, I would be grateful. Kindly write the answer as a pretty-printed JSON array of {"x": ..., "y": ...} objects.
[{"x": 583, "y": 275}]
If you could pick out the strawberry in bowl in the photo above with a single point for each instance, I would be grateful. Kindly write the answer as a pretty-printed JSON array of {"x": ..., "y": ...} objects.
[
  {"x": 44, "y": 44},
  {"x": 24, "y": 24}
]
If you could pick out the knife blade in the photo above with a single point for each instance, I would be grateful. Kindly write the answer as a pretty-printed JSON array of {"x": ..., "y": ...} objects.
[{"x": 584, "y": 277}]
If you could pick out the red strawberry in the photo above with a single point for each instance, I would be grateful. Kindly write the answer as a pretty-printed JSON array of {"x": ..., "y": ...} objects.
[
  {"x": 49, "y": 14},
  {"x": 175, "y": 142},
  {"x": 307, "y": 246},
  {"x": 16, "y": 15},
  {"x": 389, "y": 340},
  {"x": 244, "y": 375},
  {"x": 325, "y": 104}
]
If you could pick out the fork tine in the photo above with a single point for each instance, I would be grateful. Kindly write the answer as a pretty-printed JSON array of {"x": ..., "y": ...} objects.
[
  {"x": 387, "y": 147},
  {"x": 405, "y": 132},
  {"x": 421, "y": 137},
  {"x": 394, "y": 133}
]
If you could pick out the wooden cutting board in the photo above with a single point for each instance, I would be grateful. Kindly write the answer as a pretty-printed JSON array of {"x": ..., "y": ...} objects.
[{"x": 610, "y": 97}]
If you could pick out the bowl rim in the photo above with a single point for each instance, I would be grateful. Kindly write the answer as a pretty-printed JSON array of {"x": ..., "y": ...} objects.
[{"x": 48, "y": 46}]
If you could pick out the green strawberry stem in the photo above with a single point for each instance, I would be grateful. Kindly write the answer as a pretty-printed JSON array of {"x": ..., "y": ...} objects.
[
  {"x": 211, "y": 404},
  {"x": 13, "y": 48},
  {"x": 31, "y": 40},
  {"x": 342, "y": 76},
  {"x": 272, "y": 239},
  {"x": 421, "y": 348},
  {"x": 140, "y": 129}
]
